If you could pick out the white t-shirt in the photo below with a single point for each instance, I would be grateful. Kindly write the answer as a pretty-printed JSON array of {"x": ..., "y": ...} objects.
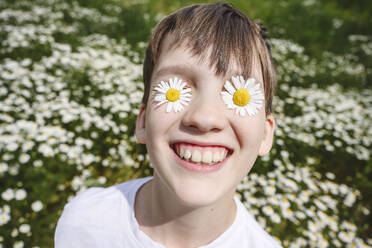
[{"x": 104, "y": 218}]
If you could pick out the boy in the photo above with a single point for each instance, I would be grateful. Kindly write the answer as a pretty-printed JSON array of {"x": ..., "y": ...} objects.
[{"x": 206, "y": 116}]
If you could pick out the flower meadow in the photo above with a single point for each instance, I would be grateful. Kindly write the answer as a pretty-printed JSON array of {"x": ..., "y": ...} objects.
[{"x": 70, "y": 89}]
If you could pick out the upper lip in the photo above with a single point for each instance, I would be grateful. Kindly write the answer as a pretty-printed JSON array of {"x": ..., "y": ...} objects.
[{"x": 202, "y": 143}]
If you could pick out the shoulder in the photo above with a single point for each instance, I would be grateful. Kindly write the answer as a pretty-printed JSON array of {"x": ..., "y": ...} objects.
[
  {"x": 96, "y": 202},
  {"x": 99, "y": 211},
  {"x": 256, "y": 235},
  {"x": 91, "y": 204}
]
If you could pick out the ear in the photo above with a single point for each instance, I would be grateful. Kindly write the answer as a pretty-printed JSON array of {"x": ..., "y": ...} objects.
[
  {"x": 267, "y": 140},
  {"x": 140, "y": 125}
]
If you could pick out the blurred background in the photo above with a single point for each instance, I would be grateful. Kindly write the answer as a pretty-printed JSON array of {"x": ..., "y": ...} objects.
[{"x": 70, "y": 88}]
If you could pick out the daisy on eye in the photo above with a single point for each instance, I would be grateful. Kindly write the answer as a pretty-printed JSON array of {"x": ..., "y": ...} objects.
[
  {"x": 243, "y": 96},
  {"x": 175, "y": 93}
]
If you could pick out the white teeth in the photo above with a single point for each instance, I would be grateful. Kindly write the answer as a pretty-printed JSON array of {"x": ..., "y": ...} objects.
[
  {"x": 203, "y": 156},
  {"x": 187, "y": 154},
  {"x": 207, "y": 157},
  {"x": 223, "y": 154},
  {"x": 196, "y": 156},
  {"x": 216, "y": 157},
  {"x": 182, "y": 152}
]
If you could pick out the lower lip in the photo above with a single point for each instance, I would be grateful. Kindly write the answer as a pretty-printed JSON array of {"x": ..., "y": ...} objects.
[{"x": 198, "y": 167}]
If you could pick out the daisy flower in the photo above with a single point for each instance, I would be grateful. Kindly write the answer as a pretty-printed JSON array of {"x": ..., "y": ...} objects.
[
  {"x": 243, "y": 96},
  {"x": 175, "y": 93}
]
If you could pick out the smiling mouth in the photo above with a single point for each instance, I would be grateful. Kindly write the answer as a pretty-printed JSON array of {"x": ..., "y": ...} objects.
[{"x": 203, "y": 155}]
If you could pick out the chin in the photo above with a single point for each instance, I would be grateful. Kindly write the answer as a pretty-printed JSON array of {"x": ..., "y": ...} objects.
[{"x": 196, "y": 193}]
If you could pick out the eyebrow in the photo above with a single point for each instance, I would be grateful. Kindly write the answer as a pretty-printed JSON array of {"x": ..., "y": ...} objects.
[
  {"x": 188, "y": 70},
  {"x": 173, "y": 69}
]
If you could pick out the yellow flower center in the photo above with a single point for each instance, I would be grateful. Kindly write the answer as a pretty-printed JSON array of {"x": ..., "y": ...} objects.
[
  {"x": 172, "y": 95},
  {"x": 241, "y": 97}
]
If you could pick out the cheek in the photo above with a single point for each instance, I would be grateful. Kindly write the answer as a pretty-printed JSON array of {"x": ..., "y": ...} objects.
[
  {"x": 250, "y": 131},
  {"x": 158, "y": 122}
]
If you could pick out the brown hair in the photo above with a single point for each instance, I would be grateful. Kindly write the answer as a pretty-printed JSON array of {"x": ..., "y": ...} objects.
[{"x": 229, "y": 33}]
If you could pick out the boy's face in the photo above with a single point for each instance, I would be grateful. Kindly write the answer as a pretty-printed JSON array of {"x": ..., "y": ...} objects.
[{"x": 205, "y": 123}]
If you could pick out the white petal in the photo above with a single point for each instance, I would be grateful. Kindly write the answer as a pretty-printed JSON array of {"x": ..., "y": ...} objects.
[
  {"x": 160, "y": 103},
  {"x": 224, "y": 93},
  {"x": 171, "y": 83},
  {"x": 227, "y": 98},
  {"x": 249, "y": 86},
  {"x": 255, "y": 88},
  {"x": 228, "y": 86},
  {"x": 251, "y": 80},
  {"x": 185, "y": 91},
  {"x": 254, "y": 112},
  {"x": 159, "y": 97},
  {"x": 242, "y": 81},
  {"x": 175, "y": 107},
  {"x": 182, "y": 102},
  {"x": 187, "y": 99},
  {"x": 188, "y": 95},
  {"x": 249, "y": 111},
  {"x": 160, "y": 89},
  {"x": 169, "y": 107},
  {"x": 236, "y": 82},
  {"x": 179, "y": 84},
  {"x": 231, "y": 106},
  {"x": 257, "y": 97},
  {"x": 165, "y": 85},
  {"x": 180, "y": 107}
]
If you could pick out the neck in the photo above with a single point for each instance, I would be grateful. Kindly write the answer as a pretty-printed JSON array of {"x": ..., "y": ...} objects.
[{"x": 168, "y": 221}]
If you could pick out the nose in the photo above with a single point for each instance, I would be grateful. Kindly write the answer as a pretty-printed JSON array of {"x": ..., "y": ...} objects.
[{"x": 205, "y": 115}]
